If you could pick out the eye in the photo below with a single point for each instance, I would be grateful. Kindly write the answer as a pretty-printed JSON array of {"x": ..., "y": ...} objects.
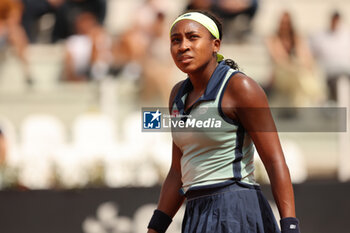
[
  {"x": 194, "y": 36},
  {"x": 175, "y": 40}
]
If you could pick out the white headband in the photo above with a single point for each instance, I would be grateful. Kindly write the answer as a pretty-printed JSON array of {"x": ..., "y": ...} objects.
[{"x": 202, "y": 19}]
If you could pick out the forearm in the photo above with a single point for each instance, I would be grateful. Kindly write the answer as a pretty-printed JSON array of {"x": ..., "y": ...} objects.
[
  {"x": 282, "y": 188},
  {"x": 170, "y": 198}
]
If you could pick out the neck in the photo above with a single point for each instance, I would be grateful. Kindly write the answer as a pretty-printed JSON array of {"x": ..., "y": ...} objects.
[{"x": 200, "y": 78}]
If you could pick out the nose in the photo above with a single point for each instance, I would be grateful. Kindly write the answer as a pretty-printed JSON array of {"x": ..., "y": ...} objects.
[{"x": 184, "y": 46}]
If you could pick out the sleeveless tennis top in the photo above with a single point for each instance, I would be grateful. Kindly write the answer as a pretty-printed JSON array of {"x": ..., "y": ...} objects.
[{"x": 212, "y": 156}]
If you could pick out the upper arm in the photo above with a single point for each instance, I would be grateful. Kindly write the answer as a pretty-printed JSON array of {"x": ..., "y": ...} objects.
[
  {"x": 276, "y": 50},
  {"x": 250, "y": 106},
  {"x": 176, "y": 152},
  {"x": 271, "y": 47},
  {"x": 304, "y": 52}
]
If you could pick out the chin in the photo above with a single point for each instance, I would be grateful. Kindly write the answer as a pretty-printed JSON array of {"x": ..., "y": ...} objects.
[{"x": 187, "y": 69}]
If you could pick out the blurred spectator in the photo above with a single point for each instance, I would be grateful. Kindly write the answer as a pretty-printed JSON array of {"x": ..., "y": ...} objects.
[
  {"x": 199, "y": 5},
  {"x": 88, "y": 51},
  {"x": 294, "y": 79},
  {"x": 158, "y": 63},
  {"x": 67, "y": 12},
  {"x": 11, "y": 31},
  {"x": 33, "y": 10},
  {"x": 142, "y": 51},
  {"x": 332, "y": 49},
  {"x": 132, "y": 45},
  {"x": 237, "y": 16}
]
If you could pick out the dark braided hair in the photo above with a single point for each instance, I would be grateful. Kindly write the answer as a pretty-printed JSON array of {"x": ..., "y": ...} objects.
[{"x": 231, "y": 63}]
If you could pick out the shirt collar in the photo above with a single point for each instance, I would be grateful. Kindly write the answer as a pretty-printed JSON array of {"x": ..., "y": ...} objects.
[{"x": 211, "y": 90}]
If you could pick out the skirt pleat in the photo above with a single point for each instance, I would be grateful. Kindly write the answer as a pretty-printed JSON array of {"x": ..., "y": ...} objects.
[{"x": 235, "y": 208}]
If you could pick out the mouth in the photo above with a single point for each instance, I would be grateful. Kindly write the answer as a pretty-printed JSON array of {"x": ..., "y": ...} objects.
[{"x": 185, "y": 59}]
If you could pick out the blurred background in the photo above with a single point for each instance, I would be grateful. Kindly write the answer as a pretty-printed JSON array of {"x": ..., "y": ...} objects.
[{"x": 75, "y": 74}]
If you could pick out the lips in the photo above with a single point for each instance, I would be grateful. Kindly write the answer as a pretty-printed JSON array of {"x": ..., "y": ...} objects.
[{"x": 185, "y": 59}]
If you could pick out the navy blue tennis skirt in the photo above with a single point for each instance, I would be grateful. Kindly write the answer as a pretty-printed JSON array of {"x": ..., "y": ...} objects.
[{"x": 236, "y": 208}]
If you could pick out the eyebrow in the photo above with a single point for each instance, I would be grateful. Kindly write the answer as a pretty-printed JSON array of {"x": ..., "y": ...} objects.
[{"x": 186, "y": 33}]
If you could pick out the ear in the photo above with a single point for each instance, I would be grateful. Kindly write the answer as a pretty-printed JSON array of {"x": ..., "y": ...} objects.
[{"x": 216, "y": 45}]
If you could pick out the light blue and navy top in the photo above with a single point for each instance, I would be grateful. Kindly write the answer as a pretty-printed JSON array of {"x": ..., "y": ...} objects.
[{"x": 212, "y": 158}]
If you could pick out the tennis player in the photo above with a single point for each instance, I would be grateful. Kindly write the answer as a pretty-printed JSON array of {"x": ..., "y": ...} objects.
[{"x": 215, "y": 171}]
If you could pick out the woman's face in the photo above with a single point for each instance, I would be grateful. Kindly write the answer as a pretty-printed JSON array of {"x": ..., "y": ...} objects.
[{"x": 192, "y": 46}]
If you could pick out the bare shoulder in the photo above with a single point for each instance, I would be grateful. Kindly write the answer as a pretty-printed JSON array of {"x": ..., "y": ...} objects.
[
  {"x": 245, "y": 91},
  {"x": 173, "y": 92}
]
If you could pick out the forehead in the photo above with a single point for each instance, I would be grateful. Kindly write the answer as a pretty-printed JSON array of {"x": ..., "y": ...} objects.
[{"x": 187, "y": 25}]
